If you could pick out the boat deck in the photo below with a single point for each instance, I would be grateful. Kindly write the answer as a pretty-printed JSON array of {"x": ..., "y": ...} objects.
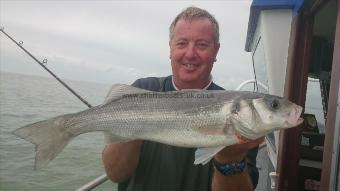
[{"x": 262, "y": 161}]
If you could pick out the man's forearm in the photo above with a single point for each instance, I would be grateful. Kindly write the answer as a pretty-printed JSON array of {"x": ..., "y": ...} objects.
[{"x": 121, "y": 160}]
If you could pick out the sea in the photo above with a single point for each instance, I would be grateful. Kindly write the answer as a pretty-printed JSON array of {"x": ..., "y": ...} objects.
[{"x": 25, "y": 99}]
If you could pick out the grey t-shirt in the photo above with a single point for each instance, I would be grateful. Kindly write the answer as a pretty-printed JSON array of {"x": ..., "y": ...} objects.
[{"x": 169, "y": 168}]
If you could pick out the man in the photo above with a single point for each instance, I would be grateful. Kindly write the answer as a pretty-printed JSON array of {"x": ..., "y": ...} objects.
[{"x": 144, "y": 165}]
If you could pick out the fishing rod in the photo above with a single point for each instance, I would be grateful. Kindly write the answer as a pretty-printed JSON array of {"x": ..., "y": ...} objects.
[
  {"x": 43, "y": 64},
  {"x": 96, "y": 182}
]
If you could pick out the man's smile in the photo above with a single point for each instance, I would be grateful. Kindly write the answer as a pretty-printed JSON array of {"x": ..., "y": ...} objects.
[{"x": 190, "y": 66}]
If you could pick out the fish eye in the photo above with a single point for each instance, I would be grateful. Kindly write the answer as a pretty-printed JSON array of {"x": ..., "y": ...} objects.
[{"x": 274, "y": 104}]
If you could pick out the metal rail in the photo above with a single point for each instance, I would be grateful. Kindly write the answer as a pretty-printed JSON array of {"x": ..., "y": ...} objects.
[
  {"x": 251, "y": 81},
  {"x": 94, "y": 183}
]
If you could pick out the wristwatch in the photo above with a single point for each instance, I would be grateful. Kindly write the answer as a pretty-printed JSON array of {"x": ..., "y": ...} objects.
[{"x": 230, "y": 168}]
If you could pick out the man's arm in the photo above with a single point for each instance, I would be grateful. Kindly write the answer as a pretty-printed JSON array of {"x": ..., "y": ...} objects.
[
  {"x": 231, "y": 154},
  {"x": 121, "y": 160}
]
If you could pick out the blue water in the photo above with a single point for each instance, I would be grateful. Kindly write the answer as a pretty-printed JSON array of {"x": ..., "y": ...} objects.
[{"x": 25, "y": 99}]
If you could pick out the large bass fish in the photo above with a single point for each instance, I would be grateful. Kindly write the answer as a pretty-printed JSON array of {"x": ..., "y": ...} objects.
[{"x": 207, "y": 120}]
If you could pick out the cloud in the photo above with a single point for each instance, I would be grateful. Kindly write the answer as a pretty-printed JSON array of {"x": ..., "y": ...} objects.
[{"x": 116, "y": 41}]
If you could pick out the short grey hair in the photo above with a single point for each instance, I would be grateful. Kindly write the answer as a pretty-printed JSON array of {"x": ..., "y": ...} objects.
[{"x": 191, "y": 13}]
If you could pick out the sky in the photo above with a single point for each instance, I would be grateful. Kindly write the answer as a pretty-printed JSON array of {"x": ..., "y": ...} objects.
[{"x": 115, "y": 41}]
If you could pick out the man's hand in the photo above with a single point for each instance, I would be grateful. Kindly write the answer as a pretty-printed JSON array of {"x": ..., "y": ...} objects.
[{"x": 235, "y": 153}]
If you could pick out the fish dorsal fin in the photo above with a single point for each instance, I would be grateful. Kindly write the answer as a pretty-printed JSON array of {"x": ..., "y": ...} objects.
[{"x": 118, "y": 90}]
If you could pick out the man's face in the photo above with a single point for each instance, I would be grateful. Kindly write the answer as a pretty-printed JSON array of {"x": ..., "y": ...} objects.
[{"x": 192, "y": 52}]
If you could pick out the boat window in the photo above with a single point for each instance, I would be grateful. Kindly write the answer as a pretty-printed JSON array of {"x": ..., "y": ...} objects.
[
  {"x": 259, "y": 66},
  {"x": 313, "y": 104},
  {"x": 315, "y": 114},
  {"x": 319, "y": 81}
]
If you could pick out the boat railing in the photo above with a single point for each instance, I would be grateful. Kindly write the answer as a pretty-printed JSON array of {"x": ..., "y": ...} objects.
[
  {"x": 93, "y": 183},
  {"x": 251, "y": 81}
]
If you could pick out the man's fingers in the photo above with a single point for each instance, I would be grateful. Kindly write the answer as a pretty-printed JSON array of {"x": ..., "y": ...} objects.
[
  {"x": 249, "y": 145},
  {"x": 257, "y": 141},
  {"x": 252, "y": 144},
  {"x": 237, "y": 152}
]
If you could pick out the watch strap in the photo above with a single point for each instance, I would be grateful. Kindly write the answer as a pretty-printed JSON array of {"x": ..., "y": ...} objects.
[{"x": 230, "y": 168}]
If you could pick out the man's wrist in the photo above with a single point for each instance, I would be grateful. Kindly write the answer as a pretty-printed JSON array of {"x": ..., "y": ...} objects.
[
  {"x": 235, "y": 182},
  {"x": 233, "y": 168}
]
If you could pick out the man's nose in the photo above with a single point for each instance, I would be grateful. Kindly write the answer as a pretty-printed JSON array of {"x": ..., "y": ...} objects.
[{"x": 191, "y": 52}]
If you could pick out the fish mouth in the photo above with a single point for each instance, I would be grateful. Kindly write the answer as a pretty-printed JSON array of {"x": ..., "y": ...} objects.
[{"x": 294, "y": 118}]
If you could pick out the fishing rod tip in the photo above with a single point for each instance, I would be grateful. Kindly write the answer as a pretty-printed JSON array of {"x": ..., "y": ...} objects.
[{"x": 2, "y": 28}]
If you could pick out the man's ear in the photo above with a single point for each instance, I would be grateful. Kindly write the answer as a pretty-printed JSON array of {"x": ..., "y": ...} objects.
[
  {"x": 217, "y": 48},
  {"x": 170, "y": 48}
]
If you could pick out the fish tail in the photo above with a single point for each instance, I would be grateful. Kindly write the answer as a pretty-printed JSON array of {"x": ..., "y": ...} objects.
[{"x": 49, "y": 137}]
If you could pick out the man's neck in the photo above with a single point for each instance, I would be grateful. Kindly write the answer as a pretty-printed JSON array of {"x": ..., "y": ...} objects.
[{"x": 191, "y": 86}]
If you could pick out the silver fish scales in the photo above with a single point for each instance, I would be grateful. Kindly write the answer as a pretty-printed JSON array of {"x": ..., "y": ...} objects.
[{"x": 208, "y": 120}]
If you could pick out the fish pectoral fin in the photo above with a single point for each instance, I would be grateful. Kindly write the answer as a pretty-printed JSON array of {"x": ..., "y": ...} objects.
[
  {"x": 118, "y": 90},
  {"x": 210, "y": 131},
  {"x": 111, "y": 138},
  {"x": 204, "y": 155}
]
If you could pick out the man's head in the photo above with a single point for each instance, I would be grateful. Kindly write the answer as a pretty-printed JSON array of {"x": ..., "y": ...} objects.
[
  {"x": 192, "y": 13},
  {"x": 194, "y": 44}
]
